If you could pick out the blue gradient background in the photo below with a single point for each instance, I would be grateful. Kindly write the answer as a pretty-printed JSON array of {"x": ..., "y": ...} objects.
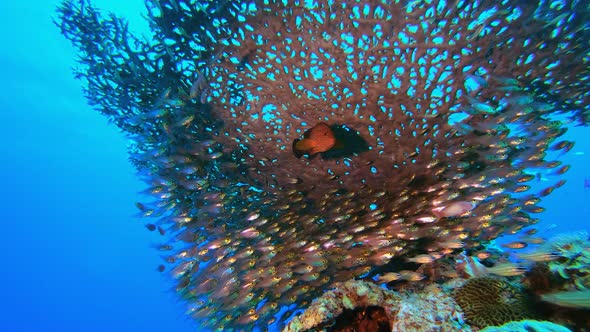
[{"x": 74, "y": 256}]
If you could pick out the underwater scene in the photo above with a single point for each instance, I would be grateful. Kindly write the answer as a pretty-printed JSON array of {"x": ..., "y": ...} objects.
[{"x": 278, "y": 165}]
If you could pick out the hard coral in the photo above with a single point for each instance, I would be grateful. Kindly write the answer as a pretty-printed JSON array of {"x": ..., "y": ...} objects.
[
  {"x": 431, "y": 309},
  {"x": 363, "y": 306},
  {"x": 573, "y": 262},
  {"x": 348, "y": 295},
  {"x": 488, "y": 301}
]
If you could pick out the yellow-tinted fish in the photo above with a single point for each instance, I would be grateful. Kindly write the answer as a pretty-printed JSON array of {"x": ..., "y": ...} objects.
[
  {"x": 539, "y": 256},
  {"x": 422, "y": 259},
  {"x": 506, "y": 270},
  {"x": 318, "y": 139},
  {"x": 515, "y": 245},
  {"x": 388, "y": 277}
]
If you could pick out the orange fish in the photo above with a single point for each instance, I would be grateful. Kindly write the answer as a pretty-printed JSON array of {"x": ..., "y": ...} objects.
[
  {"x": 515, "y": 245},
  {"x": 318, "y": 139}
]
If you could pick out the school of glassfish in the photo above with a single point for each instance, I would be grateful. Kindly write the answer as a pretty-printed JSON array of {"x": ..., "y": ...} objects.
[{"x": 286, "y": 148}]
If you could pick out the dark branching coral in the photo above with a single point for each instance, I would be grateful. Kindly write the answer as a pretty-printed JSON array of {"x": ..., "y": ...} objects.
[
  {"x": 369, "y": 319},
  {"x": 214, "y": 100},
  {"x": 350, "y": 305},
  {"x": 492, "y": 301}
]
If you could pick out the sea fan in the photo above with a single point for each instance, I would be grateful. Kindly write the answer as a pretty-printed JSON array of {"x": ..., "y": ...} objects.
[{"x": 435, "y": 104}]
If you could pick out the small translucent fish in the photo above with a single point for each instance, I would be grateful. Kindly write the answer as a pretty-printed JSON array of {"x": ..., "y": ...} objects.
[
  {"x": 186, "y": 121},
  {"x": 483, "y": 255},
  {"x": 247, "y": 319},
  {"x": 506, "y": 270},
  {"x": 533, "y": 240},
  {"x": 562, "y": 145},
  {"x": 538, "y": 256},
  {"x": 505, "y": 80},
  {"x": 452, "y": 244},
  {"x": 570, "y": 299},
  {"x": 381, "y": 258},
  {"x": 250, "y": 233},
  {"x": 520, "y": 100},
  {"x": 512, "y": 88},
  {"x": 421, "y": 259},
  {"x": 150, "y": 227},
  {"x": 165, "y": 247},
  {"x": 411, "y": 275},
  {"x": 425, "y": 219},
  {"x": 253, "y": 216},
  {"x": 198, "y": 85},
  {"x": 561, "y": 170},
  {"x": 454, "y": 209},
  {"x": 480, "y": 106},
  {"x": 515, "y": 245},
  {"x": 388, "y": 277},
  {"x": 546, "y": 191},
  {"x": 182, "y": 268}
]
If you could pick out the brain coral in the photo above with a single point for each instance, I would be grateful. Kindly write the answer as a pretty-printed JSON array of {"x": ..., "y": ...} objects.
[{"x": 491, "y": 301}]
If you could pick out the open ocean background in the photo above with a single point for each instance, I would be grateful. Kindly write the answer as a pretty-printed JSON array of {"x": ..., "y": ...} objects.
[{"x": 75, "y": 257}]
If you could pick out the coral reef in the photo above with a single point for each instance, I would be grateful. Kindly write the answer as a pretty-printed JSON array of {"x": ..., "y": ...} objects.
[
  {"x": 430, "y": 309},
  {"x": 455, "y": 102},
  {"x": 426, "y": 310},
  {"x": 348, "y": 295},
  {"x": 527, "y": 326},
  {"x": 572, "y": 259},
  {"x": 488, "y": 301}
]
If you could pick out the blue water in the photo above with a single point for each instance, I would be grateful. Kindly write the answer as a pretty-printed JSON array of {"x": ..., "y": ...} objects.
[{"x": 74, "y": 256}]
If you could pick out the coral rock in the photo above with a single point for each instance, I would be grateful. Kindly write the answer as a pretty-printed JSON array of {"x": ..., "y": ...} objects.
[{"x": 428, "y": 310}]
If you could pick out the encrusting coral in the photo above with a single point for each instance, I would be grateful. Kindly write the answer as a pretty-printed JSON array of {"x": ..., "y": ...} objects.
[
  {"x": 488, "y": 301},
  {"x": 422, "y": 311},
  {"x": 348, "y": 295}
]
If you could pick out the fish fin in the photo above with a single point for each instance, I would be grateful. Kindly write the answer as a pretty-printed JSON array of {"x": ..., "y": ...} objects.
[
  {"x": 298, "y": 153},
  {"x": 437, "y": 211},
  {"x": 313, "y": 151},
  {"x": 338, "y": 145}
]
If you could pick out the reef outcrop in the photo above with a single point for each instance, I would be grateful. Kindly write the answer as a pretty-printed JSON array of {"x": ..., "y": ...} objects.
[{"x": 427, "y": 310}]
